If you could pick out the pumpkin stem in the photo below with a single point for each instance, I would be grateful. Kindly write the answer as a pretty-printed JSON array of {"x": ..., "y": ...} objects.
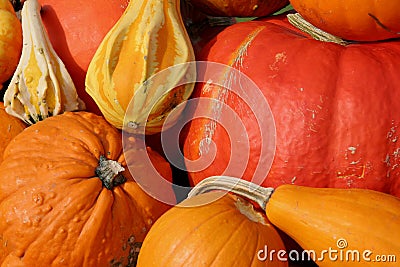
[
  {"x": 300, "y": 23},
  {"x": 241, "y": 187},
  {"x": 108, "y": 172}
]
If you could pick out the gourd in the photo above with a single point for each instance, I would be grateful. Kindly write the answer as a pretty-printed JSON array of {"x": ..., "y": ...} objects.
[
  {"x": 124, "y": 75},
  {"x": 68, "y": 198},
  {"x": 370, "y": 21},
  {"x": 76, "y": 29},
  {"x": 10, "y": 41},
  {"x": 356, "y": 226},
  {"x": 332, "y": 118},
  {"x": 211, "y": 230},
  {"x": 41, "y": 85},
  {"x": 9, "y": 128},
  {"x": 243, "y": 8}
]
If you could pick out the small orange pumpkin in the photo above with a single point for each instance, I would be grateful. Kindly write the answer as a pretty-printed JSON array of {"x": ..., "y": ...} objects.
[
  {"x": 66, "y": 197},
  {"x": 212, "y": 230},
  {"x": 10, "y": 127}
]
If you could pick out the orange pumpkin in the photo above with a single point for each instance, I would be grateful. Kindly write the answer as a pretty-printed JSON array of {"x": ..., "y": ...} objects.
[
  {"x": 212, "y": 230},
  {"x": 65, "y": 198},
  {"x": 10, "y": 40},
  {"x": 9, "y": 128},
  {"x": 368, "y": 20}
]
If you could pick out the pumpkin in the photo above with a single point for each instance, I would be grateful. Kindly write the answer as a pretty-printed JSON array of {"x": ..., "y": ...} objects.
[
  {"x": 235, "y": 8},
  {"x": 67, "y": 197},
  {"x": 75, "y": 29},
  {"x": 141, "y": 70},
  {"x": 9, "y": 128},
  {"x": 370, "y": 21},
  {"x": 320, "y": 114},
  {"x": 211, "y": 230},
  {"x": 10, "y": 41},
  {"x": 344, "y": 227},
  {"x": 41, "y": 86}
]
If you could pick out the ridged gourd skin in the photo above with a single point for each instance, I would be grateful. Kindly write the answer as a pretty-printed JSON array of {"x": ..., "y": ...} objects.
[
  {"x": 54, "y": 208},
  {"x": 148, "y": 38},
  {"x": 373, "y": 20},
  {"x": 350, "y": 221},
  {"x": 335, "y": 108},
  {"x": 225, "y": 232}
]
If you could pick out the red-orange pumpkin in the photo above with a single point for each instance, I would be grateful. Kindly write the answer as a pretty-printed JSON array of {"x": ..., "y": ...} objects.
[
  {"x": 369, "y": 20},
  {"x": 336, "y": 109},
  {"x": 10, "y": 127},
  {"x": 58, "y": 206},
  {"x": 75, "y": 29}
]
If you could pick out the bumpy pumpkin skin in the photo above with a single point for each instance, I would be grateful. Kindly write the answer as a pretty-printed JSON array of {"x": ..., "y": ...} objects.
[
  {"x": 76, "y": 28},
  {"x": 336, "y": 108},
  {"x": 241, "y": 8},
  {"x": 10, "y": 41},
  {"x": 55, "y": 211},
  {"x": 216, "y": 234},
  {"x": 369, "y": 20},
  {"x": 9, "y": 128}
]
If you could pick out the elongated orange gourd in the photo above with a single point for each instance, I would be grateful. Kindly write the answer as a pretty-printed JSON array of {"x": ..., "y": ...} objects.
[
  {"x": 336, "y": 227},
  {"x": 148, "y": 38}
]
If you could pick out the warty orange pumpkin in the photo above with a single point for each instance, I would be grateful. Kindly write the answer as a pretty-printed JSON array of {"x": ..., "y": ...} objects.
[
  {"x": 211, "y": 230},
  {"x": 67, "y": 198},
  {"x": 336, "y": 227}
]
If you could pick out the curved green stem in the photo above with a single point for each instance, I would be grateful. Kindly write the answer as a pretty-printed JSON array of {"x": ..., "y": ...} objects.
[{"x": 241, "y": 187}]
